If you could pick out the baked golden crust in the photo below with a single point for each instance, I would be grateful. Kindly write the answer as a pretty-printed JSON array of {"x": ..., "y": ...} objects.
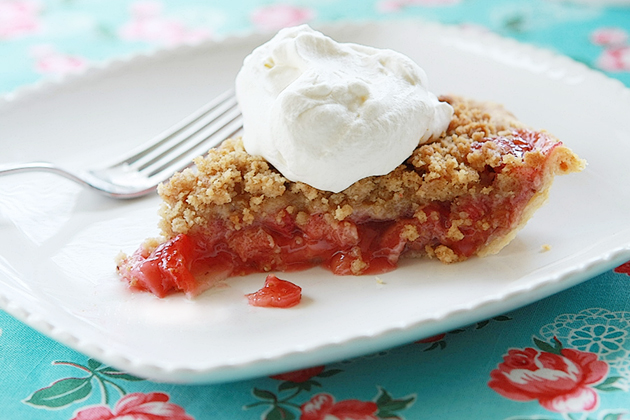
[{"x": 230, "y": 184}]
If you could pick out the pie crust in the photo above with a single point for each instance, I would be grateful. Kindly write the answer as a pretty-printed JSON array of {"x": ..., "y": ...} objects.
[{"x": 465, "y": 193}]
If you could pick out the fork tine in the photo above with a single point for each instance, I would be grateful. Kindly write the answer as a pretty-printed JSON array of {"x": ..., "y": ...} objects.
[
  {"x": 214, "y": 107},
  {"x": 217, "y": 131},
  {"x": 182, "y": 158},
  {"x": 188, "y": 135}
]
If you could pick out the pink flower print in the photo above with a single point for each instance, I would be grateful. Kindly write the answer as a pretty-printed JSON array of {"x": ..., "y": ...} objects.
[
  {"x": 136, "y": 406},
  {"x": 146, "y": 8},
  {"x": 18, "y": 18},
  {"x": 615, "y": 59},
  {"x": 388, "y": 6},
  {"x": 609, "y": 37},
  {"x": 616, "y": 54},
  {"x": 148, "y": 24},
  {"x": 278, "y": 16},
  {"x": 50, "y": 61},
  {"x": 323, "y": 407},
  {"x": 560, "y": 382}
]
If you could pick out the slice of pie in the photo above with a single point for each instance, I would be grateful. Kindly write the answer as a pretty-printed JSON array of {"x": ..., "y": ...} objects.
[{"x": 463, "y": 194}]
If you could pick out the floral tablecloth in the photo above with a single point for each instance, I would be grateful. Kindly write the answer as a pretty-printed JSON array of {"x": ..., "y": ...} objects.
[{"x": 565, "y": 357}]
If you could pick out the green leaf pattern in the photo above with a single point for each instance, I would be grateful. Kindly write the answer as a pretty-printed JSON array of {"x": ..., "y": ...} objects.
[
  {"x": 61, "y": 393},
  {"x": 67, "y": 391},
  {"x": 388, "y": 407}
]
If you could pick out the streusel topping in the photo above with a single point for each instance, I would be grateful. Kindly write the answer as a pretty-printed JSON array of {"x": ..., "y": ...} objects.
[{"x": 236, "y": 186}]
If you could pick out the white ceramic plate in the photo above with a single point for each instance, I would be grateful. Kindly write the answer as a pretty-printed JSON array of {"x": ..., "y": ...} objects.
[{"x": 58, "y": 241}]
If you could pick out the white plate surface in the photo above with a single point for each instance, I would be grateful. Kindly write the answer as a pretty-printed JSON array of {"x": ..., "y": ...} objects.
[{"x": 58, "y": 241}]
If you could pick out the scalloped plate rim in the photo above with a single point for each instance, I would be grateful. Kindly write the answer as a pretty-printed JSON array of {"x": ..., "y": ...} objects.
[{"x": 396, "y": 335}]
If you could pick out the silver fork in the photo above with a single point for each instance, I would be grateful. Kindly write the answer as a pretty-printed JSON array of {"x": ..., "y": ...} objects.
[{"x": 140, "y": 171}]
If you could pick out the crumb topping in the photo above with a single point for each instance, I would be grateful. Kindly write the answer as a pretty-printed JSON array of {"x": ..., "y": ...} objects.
[{"x": 240, "y": 188}]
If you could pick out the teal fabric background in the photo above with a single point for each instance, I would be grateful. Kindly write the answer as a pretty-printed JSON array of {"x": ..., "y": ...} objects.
[
  {"x": 444, "y": 377},
  {"x": 90, "y": 29}
]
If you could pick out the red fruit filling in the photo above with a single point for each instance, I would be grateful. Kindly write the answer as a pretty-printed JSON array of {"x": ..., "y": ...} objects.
[
  {"x": 276, "y": 293},
  {"x": 279, "y": 243}
]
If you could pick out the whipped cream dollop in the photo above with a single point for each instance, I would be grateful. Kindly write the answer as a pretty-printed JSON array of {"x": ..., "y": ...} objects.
[{"x": 329, "y": 114}]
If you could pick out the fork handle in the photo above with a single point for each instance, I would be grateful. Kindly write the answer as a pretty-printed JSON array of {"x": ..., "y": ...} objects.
[
  {"x": 15, "y": 168},
  {"x": 86, "y": 179}
]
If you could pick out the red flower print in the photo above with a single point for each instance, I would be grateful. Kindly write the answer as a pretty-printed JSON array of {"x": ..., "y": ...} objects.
[
  {"x": 137, "y": 406},
  {"x": 558, "y": 381},
  {"x": 323, "y": 406},
  {"x": 623, "y": 268},
  {"x": 433, "y": 339},
  {"x": 299, "y": 376},
  {"x": 278, "y": 16}
]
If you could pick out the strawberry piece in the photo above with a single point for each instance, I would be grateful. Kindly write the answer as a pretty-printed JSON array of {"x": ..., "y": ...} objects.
[
  {"x": 167, "y": 268},
  {"x": 276, "y": 293}
]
